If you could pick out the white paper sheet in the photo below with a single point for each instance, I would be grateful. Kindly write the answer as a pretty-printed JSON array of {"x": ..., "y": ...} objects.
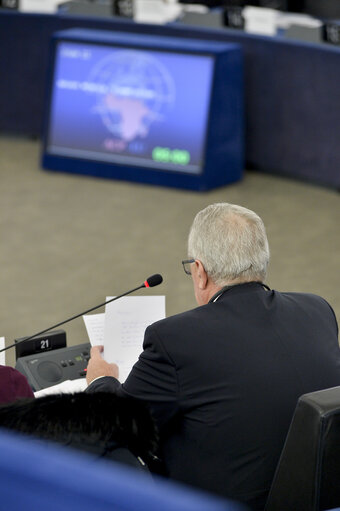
[
  {"x": 156, "y": 11},
  {"x": 260, "y": 20},
  {"x": 125, "y": 324},
  {"x": 49, "y": 6},
  {"x": 65, "y": 387},
  {"x": 3, "y": 354},
  {"x": 95, "y": 328}
]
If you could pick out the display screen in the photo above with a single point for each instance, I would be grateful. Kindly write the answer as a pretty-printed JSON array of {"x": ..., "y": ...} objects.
[{"x": 130, "y": 106}]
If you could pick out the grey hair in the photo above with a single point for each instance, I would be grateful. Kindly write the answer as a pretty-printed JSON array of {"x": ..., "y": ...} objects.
[{"x": 231, "y": 243}]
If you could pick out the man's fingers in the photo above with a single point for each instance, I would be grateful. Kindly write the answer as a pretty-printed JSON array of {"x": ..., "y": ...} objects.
[{"x": 96, "y": 351}]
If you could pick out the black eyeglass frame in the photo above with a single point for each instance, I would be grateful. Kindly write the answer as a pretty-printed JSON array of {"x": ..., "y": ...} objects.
[{"x": 187, "y": 261}]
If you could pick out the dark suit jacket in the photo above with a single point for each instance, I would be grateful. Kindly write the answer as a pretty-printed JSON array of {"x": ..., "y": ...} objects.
[{"x": 223, "y": 381}]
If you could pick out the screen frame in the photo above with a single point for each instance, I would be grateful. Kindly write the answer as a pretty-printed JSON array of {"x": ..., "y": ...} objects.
[{"x": 223, "y": 155}]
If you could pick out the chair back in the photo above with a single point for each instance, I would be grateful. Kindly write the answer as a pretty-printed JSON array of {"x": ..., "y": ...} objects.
[{"x": 307, "y": 477}]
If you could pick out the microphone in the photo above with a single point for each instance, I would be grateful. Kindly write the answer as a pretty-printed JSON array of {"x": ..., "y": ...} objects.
[{"x": 152, "y": 281}]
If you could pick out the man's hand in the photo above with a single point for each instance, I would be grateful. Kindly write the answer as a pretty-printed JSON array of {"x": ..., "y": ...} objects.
[{"x": 97, "y": 366}]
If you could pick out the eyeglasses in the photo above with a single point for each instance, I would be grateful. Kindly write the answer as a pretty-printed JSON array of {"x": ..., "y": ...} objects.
[{"x": 186, "y": 266}]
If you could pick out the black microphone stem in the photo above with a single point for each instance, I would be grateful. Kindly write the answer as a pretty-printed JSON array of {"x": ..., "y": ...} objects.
[{"x": 70, "y": 319}]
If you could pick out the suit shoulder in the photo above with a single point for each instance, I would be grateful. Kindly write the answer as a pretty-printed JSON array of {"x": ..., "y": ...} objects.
[
  {"x": 181, "y": 318},
  {"x": 303, "y": 297},
  {"x": 310, "y": 301}
]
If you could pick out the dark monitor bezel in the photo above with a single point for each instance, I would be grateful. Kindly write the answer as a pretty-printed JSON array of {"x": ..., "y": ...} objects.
[{"x": 222, "y": 160}]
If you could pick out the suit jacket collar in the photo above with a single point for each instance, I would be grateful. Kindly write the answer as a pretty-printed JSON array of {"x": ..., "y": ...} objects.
[{"x": 239, "y": 288}]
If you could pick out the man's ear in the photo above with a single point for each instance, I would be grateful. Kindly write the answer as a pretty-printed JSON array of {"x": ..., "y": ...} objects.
[{"x": 202, "y": 275}]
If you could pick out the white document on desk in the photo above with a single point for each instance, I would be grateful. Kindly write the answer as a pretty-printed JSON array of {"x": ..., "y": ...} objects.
[
  {"x": 125, "y": 324},
  {"x": 65, "y": 387}
]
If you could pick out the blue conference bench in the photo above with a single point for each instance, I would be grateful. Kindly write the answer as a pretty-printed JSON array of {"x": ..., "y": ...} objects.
[{"x": 292, "y": 93}]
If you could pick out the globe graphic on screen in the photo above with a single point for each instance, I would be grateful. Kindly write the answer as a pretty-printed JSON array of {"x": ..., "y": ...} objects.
[{"x": 136, "y": 90}]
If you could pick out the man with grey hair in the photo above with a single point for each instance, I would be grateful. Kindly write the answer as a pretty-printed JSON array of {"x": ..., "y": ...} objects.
[
  {"x": 223, "y": 379},
  {"x": 227, "y": 245}
]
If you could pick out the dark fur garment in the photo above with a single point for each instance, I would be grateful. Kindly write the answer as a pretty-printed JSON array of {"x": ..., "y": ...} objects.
[{"x": 101, "y": 420}]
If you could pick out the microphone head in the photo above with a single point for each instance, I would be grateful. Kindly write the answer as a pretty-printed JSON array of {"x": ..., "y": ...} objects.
[{"x": 154, "y": 280}]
